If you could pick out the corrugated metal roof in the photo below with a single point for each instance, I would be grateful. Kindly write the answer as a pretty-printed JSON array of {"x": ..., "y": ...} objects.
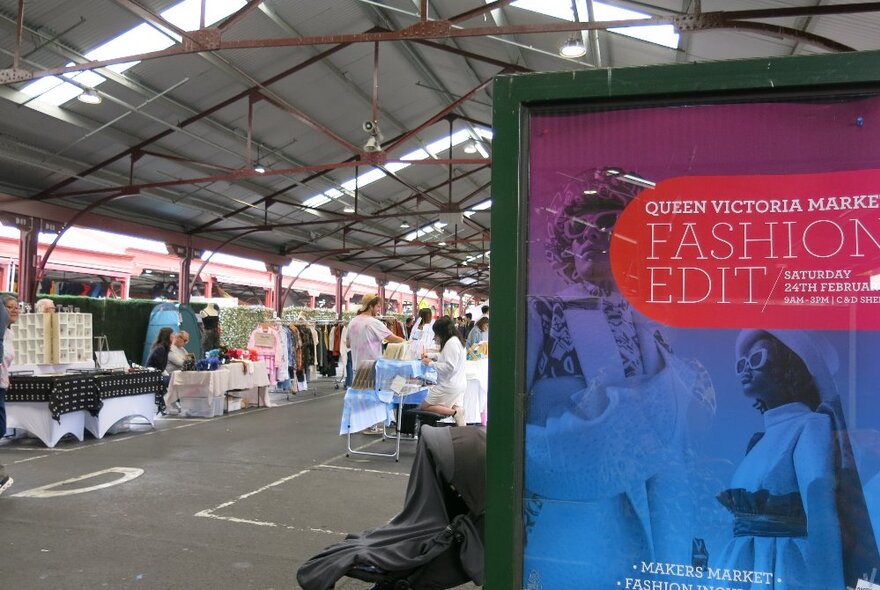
[{"x": 203, "y": 116}]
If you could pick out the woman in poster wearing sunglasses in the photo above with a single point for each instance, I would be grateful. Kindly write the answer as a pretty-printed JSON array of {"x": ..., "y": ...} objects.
[
  {"x": 796, "y": 499},
  {"x": 609, "y": 409}
]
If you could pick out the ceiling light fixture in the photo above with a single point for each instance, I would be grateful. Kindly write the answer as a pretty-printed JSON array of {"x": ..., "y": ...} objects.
[
  {"x": 441, "y": 243},
  {"x": 258, "y": 167},
  {"x": 573, "y": 48},
  {"x": 470, "y": 147},
  {"x": 348, "y": 209},
  {"x": 89, "y": 96},
  {"x": 404, "y": 225}
]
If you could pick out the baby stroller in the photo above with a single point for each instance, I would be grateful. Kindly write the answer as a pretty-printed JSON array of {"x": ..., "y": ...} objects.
[{"x": 436, "y": 541}]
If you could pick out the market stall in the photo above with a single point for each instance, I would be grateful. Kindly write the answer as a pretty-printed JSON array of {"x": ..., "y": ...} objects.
[
  {"x": 50, "y": 406},
  {"x": 126, "y": 395},
  {"x": 204, "y": 393},
  {"x": 381, "y": 400}
]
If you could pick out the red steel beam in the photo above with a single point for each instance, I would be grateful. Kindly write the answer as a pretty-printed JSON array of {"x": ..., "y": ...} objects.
[
  {"x": 247, "y": 173},
  {"x": 511, "y": 67},
  {"x": 197, "y": 117},
  {"x": 19, "y": 27},
  {"x": 442, "y": 29},
  {"x": 469, "y": 14},
  {"x": 237, "y": 16},
  {"x": 186, "y": 160},
  {"x": 309, "y": 122},
  {"x": 407, "y": 199},
  {"x": 438, "y": 116}
]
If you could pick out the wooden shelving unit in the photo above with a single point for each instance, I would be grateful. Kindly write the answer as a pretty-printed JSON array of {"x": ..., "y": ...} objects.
[{"x": 52, "y": 338}]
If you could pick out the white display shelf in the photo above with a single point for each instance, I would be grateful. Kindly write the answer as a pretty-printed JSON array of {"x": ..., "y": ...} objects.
[{"x": 53, "y": 338}]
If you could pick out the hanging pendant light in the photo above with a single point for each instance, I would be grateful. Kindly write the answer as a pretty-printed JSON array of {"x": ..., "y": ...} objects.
[
  {"x": 89, "y": 96},
  {"x": 573, "y": 48}
]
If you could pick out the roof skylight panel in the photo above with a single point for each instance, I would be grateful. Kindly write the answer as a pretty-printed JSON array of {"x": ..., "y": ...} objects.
[
  {"x": 664, "y": 35},
  {"x": 145, "y": 37}
]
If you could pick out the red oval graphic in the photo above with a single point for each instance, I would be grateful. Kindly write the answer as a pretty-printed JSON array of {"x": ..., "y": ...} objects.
[{"x": 776, "y": 251}]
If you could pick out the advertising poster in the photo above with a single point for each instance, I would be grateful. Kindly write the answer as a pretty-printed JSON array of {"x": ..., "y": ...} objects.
[{"x": 703, "y": 347}]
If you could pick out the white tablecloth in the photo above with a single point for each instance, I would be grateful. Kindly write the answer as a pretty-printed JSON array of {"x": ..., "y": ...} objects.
[
  {"x": 36, "y": 418},
  {"x": 246, "y": 379},
  {"x": 209, "y": 384},
  {"x": 53, "y": 369},
  {"x": 476, "y": 397},
  {"x": 362, "y": 408},
  {"x": 249, "y": 381},
  {"x": 252, "y": 375},
  {"x": 115, "y": 409}
]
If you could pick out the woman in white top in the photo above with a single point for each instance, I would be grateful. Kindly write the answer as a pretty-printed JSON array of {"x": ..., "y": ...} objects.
[{"x": 447, "y": 396}]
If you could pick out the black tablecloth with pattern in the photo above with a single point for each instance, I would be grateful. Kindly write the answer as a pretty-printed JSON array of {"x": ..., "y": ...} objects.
[
  {"x": 71, "y": 393},
  {"x": 64, "y": 393},
  {"x": 138, "y": 383}
]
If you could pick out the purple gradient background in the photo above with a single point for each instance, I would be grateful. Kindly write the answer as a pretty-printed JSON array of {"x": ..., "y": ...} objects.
[
  {"x": 663, "y": 142},
  {"x": 726, "y": 139}
]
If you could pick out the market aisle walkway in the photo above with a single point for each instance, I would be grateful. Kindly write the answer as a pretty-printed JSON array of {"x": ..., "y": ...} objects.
[{"x": 238, "y": 501}]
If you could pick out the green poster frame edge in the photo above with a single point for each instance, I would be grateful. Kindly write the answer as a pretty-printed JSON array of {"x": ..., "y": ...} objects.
[{"x": 514, "y": 96}]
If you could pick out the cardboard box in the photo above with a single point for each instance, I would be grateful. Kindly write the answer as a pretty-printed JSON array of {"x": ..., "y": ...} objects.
[{"x": 233, "y": 404}]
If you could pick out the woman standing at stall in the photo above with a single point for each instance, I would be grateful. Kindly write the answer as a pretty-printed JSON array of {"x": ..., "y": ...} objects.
[
  {"x": 447, "y": 396},
  {"x": 8, "y": 316}
]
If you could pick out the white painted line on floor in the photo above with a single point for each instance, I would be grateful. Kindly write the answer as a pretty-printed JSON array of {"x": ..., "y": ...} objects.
[
  {"x": 210, "y": 512},
  {"x": 31, "y": 449},
  {"x": 345, "y": 468},
  {"x": 270, "y": 524},
  {"x": 29, "y": 459},
  {"x": 127, "y": 473}
]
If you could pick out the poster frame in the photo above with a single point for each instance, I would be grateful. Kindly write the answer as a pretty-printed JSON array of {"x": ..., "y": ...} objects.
[{"x": 515, "y": 98}]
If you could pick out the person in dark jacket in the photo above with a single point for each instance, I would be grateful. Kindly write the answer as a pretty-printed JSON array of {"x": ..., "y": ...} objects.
[{"x": 158, "y": 358}]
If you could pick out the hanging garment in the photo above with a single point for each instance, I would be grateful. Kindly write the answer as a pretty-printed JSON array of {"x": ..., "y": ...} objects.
[
  {"x": 282, "y": 362},
  {"x": 267, "y": 343}
]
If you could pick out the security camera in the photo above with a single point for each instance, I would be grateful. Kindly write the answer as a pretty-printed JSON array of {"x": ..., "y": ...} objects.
[
  {"x": 373, "y": 145},
  {"x": 370, "y": 126}
]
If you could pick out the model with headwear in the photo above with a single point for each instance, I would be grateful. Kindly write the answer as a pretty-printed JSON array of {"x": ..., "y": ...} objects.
[
  {"x": 797, "y": 503},
  {"x": 607, "y": 435}
]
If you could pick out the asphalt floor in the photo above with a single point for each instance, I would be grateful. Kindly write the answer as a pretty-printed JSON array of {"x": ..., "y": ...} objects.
[{"x": 235, "y": 501}]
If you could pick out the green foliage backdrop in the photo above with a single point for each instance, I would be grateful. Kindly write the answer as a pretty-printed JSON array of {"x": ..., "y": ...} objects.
[{"x": 124, "y": 322}]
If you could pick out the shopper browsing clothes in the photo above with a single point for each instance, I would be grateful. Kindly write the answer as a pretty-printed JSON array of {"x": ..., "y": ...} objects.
[
  {"x": 447, "y": 395},
  {"x": 8, "y": 316},
  {"x": 365, "y": 337},
  {"x": 796, "y": 495},
  {"x": 609, "y": 409}
]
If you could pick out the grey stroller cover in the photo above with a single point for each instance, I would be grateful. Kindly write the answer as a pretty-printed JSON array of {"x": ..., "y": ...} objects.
[{"x": 430, "y": 534}]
